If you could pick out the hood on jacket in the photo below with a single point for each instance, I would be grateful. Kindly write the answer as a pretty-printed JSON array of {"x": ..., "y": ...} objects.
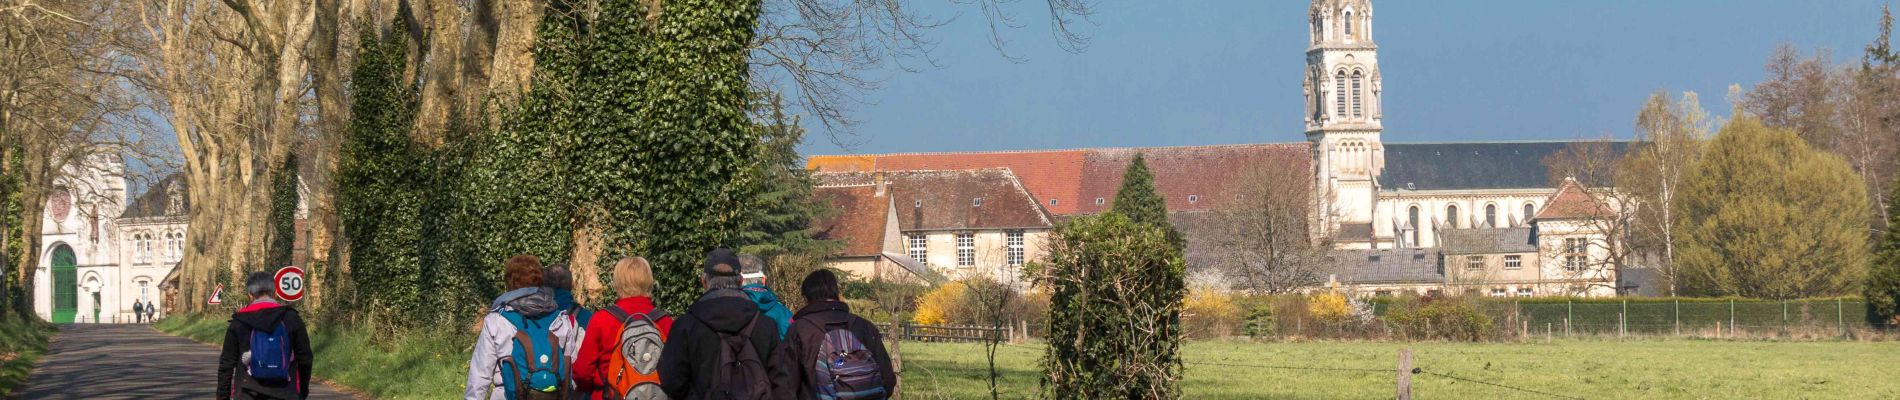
[
  {"x": 531, "y": 302},
  {"x": 261, "y": 316},
  {"x": 823, "y": 306},
  {"x": 761, "y": 295},
  {"x": 726, "y": 311},
  {"x": 563, "y": 298}
]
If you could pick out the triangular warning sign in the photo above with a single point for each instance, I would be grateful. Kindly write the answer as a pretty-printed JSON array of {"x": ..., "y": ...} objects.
[{"x": 215, "y": 294}]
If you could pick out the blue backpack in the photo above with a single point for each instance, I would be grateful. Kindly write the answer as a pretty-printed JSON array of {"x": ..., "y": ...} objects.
[
  {"x": 844, "y": 368},
  {"x": 270, "y": 355},
  {"x": 537, "y": 368}
]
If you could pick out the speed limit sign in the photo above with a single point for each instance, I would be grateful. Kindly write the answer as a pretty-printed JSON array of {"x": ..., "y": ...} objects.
[{"x": 290, "y": 283}]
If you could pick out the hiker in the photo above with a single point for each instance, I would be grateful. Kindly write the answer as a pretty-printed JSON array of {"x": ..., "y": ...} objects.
[
  {"x": 752, "y": 275},
  {"x": 721, "y": 347},
  {"x": 266, "y": 349},
  {"x": 619, "y": 354},
  {"x": 526, "y": 344},
  {"x": 561, "y": 279},
  {"x": 831, "y": 353},
  {"x": 138, "y": 312}
]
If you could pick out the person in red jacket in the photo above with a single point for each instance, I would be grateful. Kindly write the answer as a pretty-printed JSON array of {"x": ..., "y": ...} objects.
[{"x": 593, "y": 374}]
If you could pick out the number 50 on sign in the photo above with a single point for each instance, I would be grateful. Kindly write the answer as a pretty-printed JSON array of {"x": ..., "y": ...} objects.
[{"x": 290, "y": 283}]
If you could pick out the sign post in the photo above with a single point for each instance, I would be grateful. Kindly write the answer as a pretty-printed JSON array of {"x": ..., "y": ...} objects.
[
  {"x": 216, "y": 293},
  {"x": 290, "y": 283}
]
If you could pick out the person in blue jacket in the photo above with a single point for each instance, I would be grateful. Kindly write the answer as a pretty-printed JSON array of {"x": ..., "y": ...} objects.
[{"x": 752, "y": 273}]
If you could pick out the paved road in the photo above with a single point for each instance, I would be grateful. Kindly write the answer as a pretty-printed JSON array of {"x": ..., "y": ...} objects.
[{"x": 125, "y": 361}]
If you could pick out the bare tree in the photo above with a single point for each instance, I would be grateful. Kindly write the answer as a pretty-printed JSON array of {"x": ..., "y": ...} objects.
[
  {"x": 995, "y": 302},
  {"x": 1670, "y": 134},
  {"x": 1603, "y": 222},
  {"x": 1265, "y": 240}
]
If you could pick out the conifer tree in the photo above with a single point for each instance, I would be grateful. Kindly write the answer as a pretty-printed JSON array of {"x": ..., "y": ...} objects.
[
  {"x": 1883, "y": 281},
  {"x": 1139, "y": 201}
]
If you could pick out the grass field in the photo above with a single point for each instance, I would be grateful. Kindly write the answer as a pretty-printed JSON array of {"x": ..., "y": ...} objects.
[
  {"x": 22, "y": 340},
  {"x": 1593, "y": 369},
  {"x": 1652, "y": 369}
]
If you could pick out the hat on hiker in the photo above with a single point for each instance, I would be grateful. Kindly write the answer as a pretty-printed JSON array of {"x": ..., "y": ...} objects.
[{"x": 721, "y": 262}]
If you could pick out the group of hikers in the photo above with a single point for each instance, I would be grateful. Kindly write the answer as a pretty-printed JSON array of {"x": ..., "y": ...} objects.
[{"x": 737, "y": 341}]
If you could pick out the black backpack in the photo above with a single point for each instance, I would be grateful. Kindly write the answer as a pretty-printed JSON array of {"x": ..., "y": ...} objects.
[{"x": 740, "y": 374}]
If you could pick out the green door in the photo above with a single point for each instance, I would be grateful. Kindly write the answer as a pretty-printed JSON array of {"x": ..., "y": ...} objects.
[{"x": 65, "y": 285}]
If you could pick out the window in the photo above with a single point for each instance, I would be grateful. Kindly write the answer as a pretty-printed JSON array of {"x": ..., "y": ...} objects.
[
  {"x": 1412, "y": 217},
  {"x": 1576, "y": 253},
  {"x": 1529, "y": 210},
  {"x": 1194, "y": 199},
  {"x": 966, "y": 249},
  {"x": 1451, "y": 216},
  {"x": 976, "y": 202},
  {"x": 1014, "y": 242},
  {"x": 1348, "y": 20},
  {"x": 142, "y": 291},
  {"x": 1474, "y": 263},
  {"x": 1372, "y": 257},
  {"x": 1382, "y": 293},
  {"x": 1524, "y": 292},
  {"x": 1513, "y": 262},
  {"x": 1576, "y": 245},
  {"x": 1358, "y": 107},
  {"x": 1100, "y": 201},
  {"x": 1434, "y": 293},
  {"x": 1339, "y": 94},
  {"x": 1497, "y": 292},
  {"x": 1418, "y": 255},
  {"x": 919, "y": 248},
  {"x": 1490, "y": 215},
  {"x": 1573, "y": 263},
  {"x": 1052, "y": 202}
]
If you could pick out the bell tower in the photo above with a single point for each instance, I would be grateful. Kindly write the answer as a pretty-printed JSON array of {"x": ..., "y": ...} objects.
[{"x": 1342, "y": 110}]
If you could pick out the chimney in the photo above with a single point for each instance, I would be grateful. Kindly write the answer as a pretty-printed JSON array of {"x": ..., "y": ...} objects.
[{"x": 878, "y": 179}]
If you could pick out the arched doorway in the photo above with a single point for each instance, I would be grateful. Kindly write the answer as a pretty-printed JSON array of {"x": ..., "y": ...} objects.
[{"x": 65, "y": 285}]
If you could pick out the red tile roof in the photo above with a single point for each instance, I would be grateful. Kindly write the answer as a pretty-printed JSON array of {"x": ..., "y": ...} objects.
[
  {"x": 859, "y": 221},
  {"x": 1073, "y": 179},
  {"x": 1572, "y": 200},
  {"x": 948, "y": 200}
]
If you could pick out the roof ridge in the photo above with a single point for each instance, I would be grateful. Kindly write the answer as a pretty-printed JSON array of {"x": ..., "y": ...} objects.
[
  {"x": 1523, "y": 141},
  {"x": 1076, "y": 149}
]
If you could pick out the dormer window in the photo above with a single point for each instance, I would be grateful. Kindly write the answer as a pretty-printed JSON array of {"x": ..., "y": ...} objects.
[
  {"x": 1194, "y": 199},
  {"x": 1052, "y": 202},
  {"x": 919, "y": 204},
  {"x": 976, "y": 202},
  {"x": 1100, "y": 201}
]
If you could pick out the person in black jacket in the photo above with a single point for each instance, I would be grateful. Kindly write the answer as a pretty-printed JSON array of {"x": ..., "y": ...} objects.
[
  {"x": 823, "y": 312},
  {"x": 690, "y": 362},
  {"x": 264, "y": 313}
]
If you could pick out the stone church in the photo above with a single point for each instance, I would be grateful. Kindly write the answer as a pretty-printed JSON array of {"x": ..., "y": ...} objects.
[{"x": 1428, "y": 218}]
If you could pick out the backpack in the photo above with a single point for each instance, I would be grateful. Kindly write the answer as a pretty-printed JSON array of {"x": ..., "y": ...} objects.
[
  {"x": 740, "y": 374},
  {"x": 635, "y": 373},
  {"x": 844, "y": 369},
  {"x": 270, "y": 356},
  {"x": 537, "y": 368}
]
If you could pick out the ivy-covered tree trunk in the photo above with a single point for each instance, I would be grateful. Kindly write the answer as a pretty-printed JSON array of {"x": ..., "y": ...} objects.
[
  {"x": 283, "y": 215},
  {"x": 378, "y": 184}
]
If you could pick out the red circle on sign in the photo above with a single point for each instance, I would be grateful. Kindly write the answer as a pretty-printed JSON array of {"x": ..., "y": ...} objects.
[{"x": 290, "y": 283}]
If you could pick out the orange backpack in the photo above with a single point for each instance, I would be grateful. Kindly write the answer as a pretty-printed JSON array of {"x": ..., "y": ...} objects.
[{"x": 634, "y": 374}]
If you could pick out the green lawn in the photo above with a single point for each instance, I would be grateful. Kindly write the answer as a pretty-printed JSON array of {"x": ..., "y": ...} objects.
[
  {"x": 22, "y": 340},
  {"x": 1652, "y": 369},
  {"x": 1593, "y": 369}
]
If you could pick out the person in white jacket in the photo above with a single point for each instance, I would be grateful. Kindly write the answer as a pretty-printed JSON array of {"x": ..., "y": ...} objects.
[{"x": 496, "y": 341}]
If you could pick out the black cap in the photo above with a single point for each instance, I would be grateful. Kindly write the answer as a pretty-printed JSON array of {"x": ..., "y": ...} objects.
[{"x": 721, "y": 262}]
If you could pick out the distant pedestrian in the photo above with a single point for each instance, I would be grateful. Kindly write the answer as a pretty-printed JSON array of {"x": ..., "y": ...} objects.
[
  {"x": 266, "y": 349},
  {"x": 138, "y": 312},
  {"x": 527, "y": 343},
  {"x": 752, "y": 275},
  {"x": 721, "y": 347},
  {"x": 831, "y": 353},
  {"x": 621, "y": 351}
]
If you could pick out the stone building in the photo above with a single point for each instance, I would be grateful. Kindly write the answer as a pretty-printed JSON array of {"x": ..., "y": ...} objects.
[
  {"x": 933, "y": 224},
  {"x": 1455, "y": 218}
]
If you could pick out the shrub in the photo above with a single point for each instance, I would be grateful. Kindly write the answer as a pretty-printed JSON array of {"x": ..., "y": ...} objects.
[
  {"x": 942, "y": 305},
  {"x": 1116, "y": 288},
  {"x": 1209, "y": 313},
  {"x": 1259, "y": 320},
  {"x": 1444, "y": 319},
  {"x": 1329, "y": 308}
]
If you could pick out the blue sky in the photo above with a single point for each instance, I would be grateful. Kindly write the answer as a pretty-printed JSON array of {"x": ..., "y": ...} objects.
[{"x": 1168, "y": 73}]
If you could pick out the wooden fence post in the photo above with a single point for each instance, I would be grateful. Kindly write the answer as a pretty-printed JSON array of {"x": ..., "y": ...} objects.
[
  {"x": 1731, "y": 318},
  {"x": 1405, "y": 374},
  {"x": 1840, "y": 317},
  {"x": 1678, "y": 316}
]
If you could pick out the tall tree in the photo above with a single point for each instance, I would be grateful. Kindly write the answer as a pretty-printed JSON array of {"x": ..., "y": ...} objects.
[
  {"x": 1669, "y": 139},
  {"x": 784, "y": 196},
  {"x": 1765, "y": 215},
  {"x": 1139, "y": 201},
  {"x": 1266, "y": 241},
  {"x": 1799, "y": 94},
  {"x": 1883, "y": 280},
  {"x": 283, "y": 216}
]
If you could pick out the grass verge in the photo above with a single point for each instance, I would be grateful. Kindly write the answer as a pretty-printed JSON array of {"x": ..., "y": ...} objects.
[
  {"x": 1648, "y": 369},
  {"x": 22, "y": 341},
  {"x": 411, "y": 367}
]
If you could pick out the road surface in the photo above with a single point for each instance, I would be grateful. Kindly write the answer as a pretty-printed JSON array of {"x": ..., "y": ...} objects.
[{"x": 129, "y": 361}]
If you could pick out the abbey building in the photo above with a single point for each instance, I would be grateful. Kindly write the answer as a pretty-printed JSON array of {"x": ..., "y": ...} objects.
[{"x": 1447, "y": 218}]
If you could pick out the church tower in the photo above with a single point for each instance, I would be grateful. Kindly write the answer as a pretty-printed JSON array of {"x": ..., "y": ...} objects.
[{"x": 1342, "y": 113}]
